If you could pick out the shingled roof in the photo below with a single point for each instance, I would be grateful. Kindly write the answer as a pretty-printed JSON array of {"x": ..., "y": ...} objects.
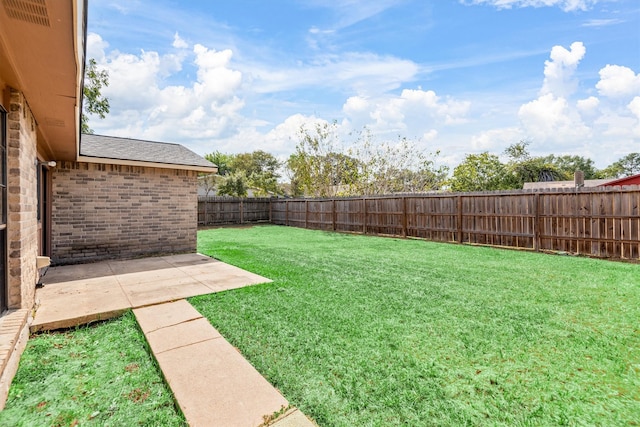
[{"x": 102, "y": 147}]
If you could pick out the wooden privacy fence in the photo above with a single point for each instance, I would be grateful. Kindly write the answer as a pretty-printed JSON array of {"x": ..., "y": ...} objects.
[
  {"x": 232, "y": 210},
  {"x": 602, "y": 222}
]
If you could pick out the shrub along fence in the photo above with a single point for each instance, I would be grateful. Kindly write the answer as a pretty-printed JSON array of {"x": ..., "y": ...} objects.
[{"x": 601, "y": 222}]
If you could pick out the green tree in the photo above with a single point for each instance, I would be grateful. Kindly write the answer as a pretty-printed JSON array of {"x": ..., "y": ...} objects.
[
  {"x": 260, "y": 170},
  {"x": 239, "y": 172},
  {"x": 568, "y": 165},
  {"x": 221, "y": 160},
  {"x": 479, "y": 172},
  {"x": 93, "y": 100},
  {"x": 209, "y": 182},
  {"x": 522, "y": 168},
  {"x": 322, "y": 175},
  {"x": 518, "y": 152},
  {"x": 535, "y": 169},
  {"x": 295, "y": 168},
  {"x": 312, "y": 166},
  {"x": 320, "y": 167},
  {"x": 626, "y": 166},
  {"x": 389, "y": 167},
  {"x": 234, "y": 184}
]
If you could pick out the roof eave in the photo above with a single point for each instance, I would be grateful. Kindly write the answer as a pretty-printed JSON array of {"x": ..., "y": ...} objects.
[
  {"x": 42, "y": 56},
  {"x": 108, "y": 161}
]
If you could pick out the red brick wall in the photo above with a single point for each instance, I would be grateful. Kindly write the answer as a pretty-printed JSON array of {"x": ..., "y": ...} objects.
[{"x": 109, "y": 211}]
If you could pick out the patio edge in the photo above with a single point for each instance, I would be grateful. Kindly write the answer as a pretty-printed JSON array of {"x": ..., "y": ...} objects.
[{"x": 14, "y": 328}]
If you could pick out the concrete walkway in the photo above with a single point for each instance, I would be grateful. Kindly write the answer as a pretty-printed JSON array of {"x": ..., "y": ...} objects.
[
  {"x": 211, "y": 381},
  {"x": 213, "y": 384}
]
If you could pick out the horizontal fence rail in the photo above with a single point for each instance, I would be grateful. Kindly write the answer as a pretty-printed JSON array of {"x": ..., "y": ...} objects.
[{"x": 600, "y": 222}]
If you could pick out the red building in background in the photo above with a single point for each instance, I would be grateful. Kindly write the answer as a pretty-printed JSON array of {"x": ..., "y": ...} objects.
[{"x": 629, "y": 180}]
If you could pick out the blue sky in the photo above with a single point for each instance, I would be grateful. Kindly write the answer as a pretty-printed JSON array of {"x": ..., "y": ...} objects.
[{"x": 455, "y": 76}]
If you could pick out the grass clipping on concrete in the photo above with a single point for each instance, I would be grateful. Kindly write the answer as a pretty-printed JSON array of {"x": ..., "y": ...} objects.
[
  {"x": 369, "y": 331},
  {"x": 96, "y": 375}
]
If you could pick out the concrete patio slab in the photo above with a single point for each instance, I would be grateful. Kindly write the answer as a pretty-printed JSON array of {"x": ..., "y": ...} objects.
[
  {"x": 189, "y": 260},
  {"x": 79, "y": 294},
  {"x": 149, "y": 293},
  {"x": 141, "y": 265},
  {"x": 68, "y": 304},
  {"x": 225, "y": 280},
  {"x": 151, "y": 275},
  {"x": 77, "y": 272}
]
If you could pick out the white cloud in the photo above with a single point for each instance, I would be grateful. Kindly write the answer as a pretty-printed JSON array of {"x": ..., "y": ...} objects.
[
  {"x": 128, "y": 74},
  {"x": 602, "y": 22},
  {"x": 356, "y": 105},
  {"x": 350, "y": 12},
  {"x": 566, "y": 5},
  {"x": 96, "y": 47},
  {"x": 634, "y": 107},
  {"x": 414, "y": 113},
  {"x": 362, "y": 73},
  {"x": 430, "y": 135},
  {"x": 549, "y": 119},
  {"x": 284, "y": 137},
  {"x": 618, "y": 82},
  {"x": 280, "y": 140},
  {"x": 558, "y": 72},
  {"x": 145, "y": 105},
  {"x": 588, "y": 105},
  {"x": 179, "y": 43},
  {"x": 562, "y": 124},
  {"x": 216, "y": 81},
  {"x": 495, "y": 140},
  {"x": 206, "y": 114}
]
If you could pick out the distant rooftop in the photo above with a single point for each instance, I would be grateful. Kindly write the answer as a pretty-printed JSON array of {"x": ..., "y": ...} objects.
[
  {"x": 110, "y": 147},
  {"x": 563, "y": 184}
]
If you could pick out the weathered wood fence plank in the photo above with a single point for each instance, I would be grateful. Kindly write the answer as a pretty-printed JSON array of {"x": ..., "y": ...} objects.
[{"x": 600, "y": 222}]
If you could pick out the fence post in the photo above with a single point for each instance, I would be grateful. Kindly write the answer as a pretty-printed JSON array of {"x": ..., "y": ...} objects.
[
  {"x": 286, "y": 213},
  {"x": 536, "y": 222},
  {"x": 306, "y": 214},
  {"x": 460, "y": 230},
  {"x": 205, "y": 206},
  {"x": 241, "y": 213},
  {"x": 333, "y": 214},
  {"x": 404, "y": 217},
  {"x": 270, "y": 207},
  {"x": 364, "y": 216}
]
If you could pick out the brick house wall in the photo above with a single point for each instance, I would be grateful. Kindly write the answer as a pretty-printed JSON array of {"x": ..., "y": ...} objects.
[
  {"x": 22, "y": 222},
  {"x": 102, "y": 211}
]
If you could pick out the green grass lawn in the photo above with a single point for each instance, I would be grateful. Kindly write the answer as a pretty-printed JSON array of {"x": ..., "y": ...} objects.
[
  {"x": 100, "y": 375},
  {"x": 368, "y": 331}
]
